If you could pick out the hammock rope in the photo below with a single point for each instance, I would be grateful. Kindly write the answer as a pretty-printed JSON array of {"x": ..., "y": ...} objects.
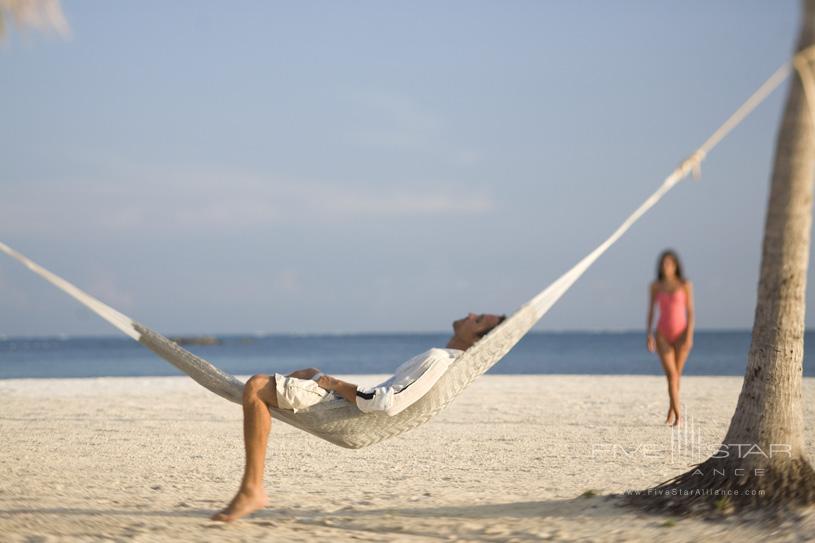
[{"x": 339, "y": 421}]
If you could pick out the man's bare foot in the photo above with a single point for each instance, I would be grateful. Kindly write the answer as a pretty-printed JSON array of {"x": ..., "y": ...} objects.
[{"x": 241, "y": 505}]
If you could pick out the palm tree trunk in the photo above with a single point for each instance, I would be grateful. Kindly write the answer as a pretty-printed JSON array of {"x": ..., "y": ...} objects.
[
  {"x": 763, "y": 451},
  {"x": 770, "y": 408}
]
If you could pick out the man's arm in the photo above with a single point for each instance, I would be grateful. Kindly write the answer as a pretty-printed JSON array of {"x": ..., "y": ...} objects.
[{"x": 346, "y": 390}]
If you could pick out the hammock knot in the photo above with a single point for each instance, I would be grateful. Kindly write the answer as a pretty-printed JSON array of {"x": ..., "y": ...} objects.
[{"x": 693, "y": 164}]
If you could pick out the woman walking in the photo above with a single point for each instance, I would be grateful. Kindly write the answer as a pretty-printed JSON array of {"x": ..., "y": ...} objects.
[{"x": 673, "y": 338}]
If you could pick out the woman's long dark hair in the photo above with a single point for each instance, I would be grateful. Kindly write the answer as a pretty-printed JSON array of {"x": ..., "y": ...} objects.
[{"x": 672, "y": 254}]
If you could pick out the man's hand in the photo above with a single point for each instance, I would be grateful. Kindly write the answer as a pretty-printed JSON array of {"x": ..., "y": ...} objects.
[{"x": 327, "y": 382}]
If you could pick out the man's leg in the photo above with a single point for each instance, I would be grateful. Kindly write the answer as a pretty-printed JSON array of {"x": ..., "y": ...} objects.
[
  {"x": 258, "y": 393},
  {"x": 306, "y": 373}
]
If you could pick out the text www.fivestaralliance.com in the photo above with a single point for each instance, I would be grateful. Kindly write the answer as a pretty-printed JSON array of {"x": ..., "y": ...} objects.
[{"x": 695, "y": 492}]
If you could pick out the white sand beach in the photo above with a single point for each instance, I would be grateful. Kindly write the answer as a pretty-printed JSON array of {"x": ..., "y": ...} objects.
[{"x": 150, "y": 459}]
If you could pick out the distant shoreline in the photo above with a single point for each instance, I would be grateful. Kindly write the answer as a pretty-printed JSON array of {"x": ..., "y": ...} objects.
[
  {"x": 538, "y": 353},
  {"x": 237, "y": 335}
]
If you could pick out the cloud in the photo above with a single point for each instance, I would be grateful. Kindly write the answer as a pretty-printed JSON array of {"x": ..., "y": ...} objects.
[
  {"x": 394, "y": 121},
  {"x": 335, "y": 202},
  {"x": 104, "y": 287},
  {"x": 12, "y": 296},
  {"x": 287, "y": 281},
  {"x": 39, "y": 14},
  {"x": 154, "y": 202},
  {"x": 397, "y": 122}
]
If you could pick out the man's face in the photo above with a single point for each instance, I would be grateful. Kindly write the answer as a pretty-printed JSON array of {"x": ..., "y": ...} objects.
[{"x": 473, "y": 325}]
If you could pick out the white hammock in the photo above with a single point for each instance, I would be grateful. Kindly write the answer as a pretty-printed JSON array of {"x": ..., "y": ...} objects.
[{"x": 341, "y": 422}]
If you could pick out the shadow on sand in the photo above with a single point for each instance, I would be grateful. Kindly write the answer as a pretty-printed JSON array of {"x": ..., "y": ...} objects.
[{"x": 580, "y": 506}]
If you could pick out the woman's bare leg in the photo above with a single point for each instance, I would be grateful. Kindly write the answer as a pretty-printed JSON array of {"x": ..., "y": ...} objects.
[
  {"x": 667, "y": 356},
  {"x": 680, "y": 356},
  {"x": 258, "y": 393},
  {"x": 682, "y": 353}
]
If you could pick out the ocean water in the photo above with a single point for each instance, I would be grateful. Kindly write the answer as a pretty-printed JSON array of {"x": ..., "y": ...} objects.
[{"x": 624, "y": 353}]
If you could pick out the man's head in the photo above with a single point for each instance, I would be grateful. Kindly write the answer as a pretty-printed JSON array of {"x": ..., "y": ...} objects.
[{"x": 468, "y": 330}]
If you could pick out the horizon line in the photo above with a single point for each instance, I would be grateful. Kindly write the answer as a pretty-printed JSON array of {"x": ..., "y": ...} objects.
[{"x": 64, "y": 336}]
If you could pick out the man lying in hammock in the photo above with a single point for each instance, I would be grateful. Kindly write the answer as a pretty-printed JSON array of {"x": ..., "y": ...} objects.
[{"x": 305, "y": 388}]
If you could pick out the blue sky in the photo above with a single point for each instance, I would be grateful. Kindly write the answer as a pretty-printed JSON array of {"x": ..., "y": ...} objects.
[{"x": 217, "y": 167}]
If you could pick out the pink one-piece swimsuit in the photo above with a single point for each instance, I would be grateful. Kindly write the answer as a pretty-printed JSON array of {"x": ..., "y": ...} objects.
[{"x": 673, "y": 313}]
